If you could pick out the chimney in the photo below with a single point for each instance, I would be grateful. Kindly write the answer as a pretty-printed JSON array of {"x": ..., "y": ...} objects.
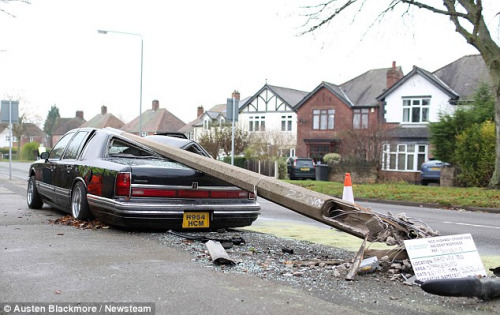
[
  {"x": 236, "y": 95},
  {"x": 79, "y": 114},
  {"x": 200, "y": 111},
  {"x": 393, "y": 75},
  {"x": 156, "y": 105},
  {"x": 104, "y": 110}
]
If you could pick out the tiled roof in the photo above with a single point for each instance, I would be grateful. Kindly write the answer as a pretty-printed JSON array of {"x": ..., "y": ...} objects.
[
  {"x": 364, "y": 89},
  {"x": 426, "y": 74},
  {"x": 291, "y": 96},
  {"x": 464, "y": 75},
  {"x": 64, "y": 125},
  {"x": 103, "y": 121},
  {"x": 408, "y": 133},
  {"x": 160, "y": 120}
]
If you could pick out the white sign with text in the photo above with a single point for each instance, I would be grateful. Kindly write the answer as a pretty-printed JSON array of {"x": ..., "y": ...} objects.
[{"x": 445, "y": 257}]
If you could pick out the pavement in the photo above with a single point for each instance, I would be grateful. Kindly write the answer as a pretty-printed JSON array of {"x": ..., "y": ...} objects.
[{"x": 45, "y": 262}]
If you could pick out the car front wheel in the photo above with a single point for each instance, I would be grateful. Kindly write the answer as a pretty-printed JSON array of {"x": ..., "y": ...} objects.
[
  {"x": 79, "y": 205},
  {"x": 33, "y": 198}
]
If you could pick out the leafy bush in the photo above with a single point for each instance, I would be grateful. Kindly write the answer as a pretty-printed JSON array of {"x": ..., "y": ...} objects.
[
  {"x": 282, "y": 168},
  {"x": 475, "y": 154},
  {"x": 28, "y": 151},
  {"x": 5, "y": 150},
  {"x": 332, "y": 158},
  {"x": 444, "y": 132}
]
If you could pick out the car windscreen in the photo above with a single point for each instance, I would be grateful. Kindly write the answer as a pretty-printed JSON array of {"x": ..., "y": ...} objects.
[{"x": 304, "y": 163}]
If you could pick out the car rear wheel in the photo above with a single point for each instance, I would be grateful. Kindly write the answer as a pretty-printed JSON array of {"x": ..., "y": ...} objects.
[
  {"x": 424, "y": 182},
  {"x": 79, "y": 205},
  {"x": 33, "y": 198}
]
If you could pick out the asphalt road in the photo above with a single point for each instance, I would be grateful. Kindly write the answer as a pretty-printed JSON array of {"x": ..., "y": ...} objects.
[
  {"x": 43, "y": 262},
  {"x": 484, "y": 227}
]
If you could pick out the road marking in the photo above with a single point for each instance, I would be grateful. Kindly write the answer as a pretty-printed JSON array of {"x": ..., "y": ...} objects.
[{"x": 474, "y": 225}]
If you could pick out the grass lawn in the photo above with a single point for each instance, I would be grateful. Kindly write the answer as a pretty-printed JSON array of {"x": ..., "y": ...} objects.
[{"x": 441, "y": 196}]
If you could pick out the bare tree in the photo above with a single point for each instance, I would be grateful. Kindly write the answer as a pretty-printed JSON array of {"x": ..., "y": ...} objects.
[
  {"x": 466, "y": 15},
  {"x": 6, "y": 1},
  {"x": 271, "y": 143},
  {"x": 220, "y": 138}
]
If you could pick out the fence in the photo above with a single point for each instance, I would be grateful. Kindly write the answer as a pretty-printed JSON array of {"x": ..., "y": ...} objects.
[{"x": 266, "y": 167}]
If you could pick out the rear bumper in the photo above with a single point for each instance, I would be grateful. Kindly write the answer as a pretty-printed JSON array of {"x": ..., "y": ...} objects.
[{"x": 156, "y": 215}]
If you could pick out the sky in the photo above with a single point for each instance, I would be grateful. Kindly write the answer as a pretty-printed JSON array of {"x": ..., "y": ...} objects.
[{"x": 198, "y": 52}]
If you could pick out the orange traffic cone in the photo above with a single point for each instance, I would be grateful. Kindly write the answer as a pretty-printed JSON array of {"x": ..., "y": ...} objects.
[{"x": 348, "y": 195}]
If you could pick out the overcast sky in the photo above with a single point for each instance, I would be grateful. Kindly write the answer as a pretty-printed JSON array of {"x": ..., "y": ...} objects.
[{"x": 197, "y": 52}]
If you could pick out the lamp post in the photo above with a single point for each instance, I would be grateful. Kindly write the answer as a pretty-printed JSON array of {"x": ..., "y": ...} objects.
[{"x": 140, "y": 91}]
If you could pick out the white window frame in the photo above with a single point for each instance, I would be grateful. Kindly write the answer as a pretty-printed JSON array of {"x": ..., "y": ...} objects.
[
  {"x": 416, "y": 110},
  {"x": 286, "y": 123},
  {"x": 256, "y": 123},
  {"x": 206, "y": 124},
  {"x": 404, "y": 157}
]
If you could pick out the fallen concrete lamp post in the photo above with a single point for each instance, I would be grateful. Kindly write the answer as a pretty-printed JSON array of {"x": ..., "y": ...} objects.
[{"x": 347, "y": 217}]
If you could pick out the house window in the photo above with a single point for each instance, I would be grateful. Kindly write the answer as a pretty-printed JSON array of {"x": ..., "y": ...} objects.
[
  {"x": 257, "y": 123},
  {"x": 14, "y": 138},
  {"x": 360, "y": 118},
  {"x": 286, "y": 123},
  {"x": 323, "y": 119},
  {"x": 416, "y": 110},
  {"x": 403, "y": 157},
  {"x": 206, "y": 124}
]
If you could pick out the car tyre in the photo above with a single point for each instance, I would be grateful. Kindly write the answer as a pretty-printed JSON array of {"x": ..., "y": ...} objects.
[
  {"x": 33, "y": 198},
  {"x": 79, "y": 204},
  {"x": 424, "y": 182}
]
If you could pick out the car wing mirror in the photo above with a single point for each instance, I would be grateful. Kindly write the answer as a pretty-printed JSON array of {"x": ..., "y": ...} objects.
[{"x": 44, "y": 156}]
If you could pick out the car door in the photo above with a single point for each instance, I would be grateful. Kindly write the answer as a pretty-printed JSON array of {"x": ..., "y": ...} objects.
[
  {"x": 46, "y": 184},
  {"x": 67, "y": 168}
]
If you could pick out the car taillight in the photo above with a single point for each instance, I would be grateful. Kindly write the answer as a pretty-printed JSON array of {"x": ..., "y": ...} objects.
[
  {"x": 189, "y": 193},
  {"x": 122, "y": 187},
  {"x": 294, "y": 163},
  {"x": 229, "y": 194}
]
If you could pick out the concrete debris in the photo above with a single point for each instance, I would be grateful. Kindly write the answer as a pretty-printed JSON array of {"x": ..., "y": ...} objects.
[{"x": 218, "y": 253}]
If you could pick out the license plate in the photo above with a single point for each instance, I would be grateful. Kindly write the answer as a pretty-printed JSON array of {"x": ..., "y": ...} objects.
[
  {"x": 435, "y": 168},
  {"x": 304, "y": 169},
  {"x": 194, "y": 220}
]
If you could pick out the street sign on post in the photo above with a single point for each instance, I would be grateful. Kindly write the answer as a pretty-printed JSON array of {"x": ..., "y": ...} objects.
[
  {"x": 7, "y": 116},
  {"x": 232, "y": 109},
  {"x": 10, "y": 114}
]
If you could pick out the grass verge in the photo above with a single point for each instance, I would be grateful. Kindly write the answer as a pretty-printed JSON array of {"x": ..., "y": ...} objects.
[{"x": 455, "y": 197}]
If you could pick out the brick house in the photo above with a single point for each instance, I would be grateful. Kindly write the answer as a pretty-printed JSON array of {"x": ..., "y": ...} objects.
[
  {"x": 331, "y": 114},
  {"x": 63, "y": 125}
]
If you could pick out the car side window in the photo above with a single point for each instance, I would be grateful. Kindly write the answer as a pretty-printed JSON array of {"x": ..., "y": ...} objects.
[
  {"x": 75, "y": 146},
  {"x": 58, "y": 149}
]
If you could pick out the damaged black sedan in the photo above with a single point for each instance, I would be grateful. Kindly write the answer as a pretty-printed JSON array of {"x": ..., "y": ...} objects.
[{"x": 96, "y": 173}]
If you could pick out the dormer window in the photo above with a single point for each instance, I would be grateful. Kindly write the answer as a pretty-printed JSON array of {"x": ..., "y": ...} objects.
[{"x": 416, "y": 110}]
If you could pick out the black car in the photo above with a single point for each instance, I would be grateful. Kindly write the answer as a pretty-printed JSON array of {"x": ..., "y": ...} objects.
[
  {"x": 98, "y": 173},
  {"x": 301, "y": 168}
]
